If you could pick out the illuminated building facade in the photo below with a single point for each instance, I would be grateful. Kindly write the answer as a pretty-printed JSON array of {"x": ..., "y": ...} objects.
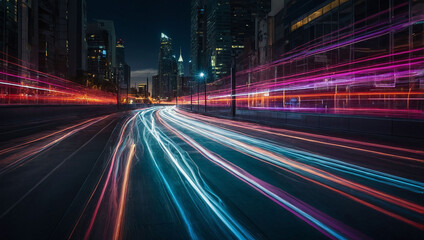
[
  {"x": 219, "y": 38},
  {"x": 229, "y": 24},
  {"x": 38, "y": 33},
  {"x": 356, "y": 57},
  {"x": 355, "y": 30},
  {"x": 101, "y": 61},
  {"x": 167, "y": 83},
  {"x": 46, "y": 35},
  {"x": 180, "y": 65},
  {"x": 123, "y": 71},
  {"x": 143, "y": 90},
  {"x": 155, "y": 86},
  {"x": 9, "y": 35},
  {"x": 198, "y": 37},
  {"x": 49, "y": 37}
]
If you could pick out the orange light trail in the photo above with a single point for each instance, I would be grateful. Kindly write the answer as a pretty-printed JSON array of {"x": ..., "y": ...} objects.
[
  {"x": 273, "y": 132},
  {"x": 314, "y": 172},
  {"x": 124, "y": 190}
]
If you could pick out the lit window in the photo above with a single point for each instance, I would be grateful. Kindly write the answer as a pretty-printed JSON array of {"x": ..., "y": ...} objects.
[
  {"x": 326, "y": 9},
  {"x": 317, "y": 13}
]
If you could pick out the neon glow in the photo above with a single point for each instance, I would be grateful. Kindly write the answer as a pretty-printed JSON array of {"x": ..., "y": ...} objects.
[
  {"x": 20, "y": 84},
  {"x": 379, "y": 83}
]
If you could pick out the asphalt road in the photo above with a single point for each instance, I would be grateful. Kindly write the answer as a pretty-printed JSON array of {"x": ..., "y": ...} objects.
[{"x": 162, "y": 173}]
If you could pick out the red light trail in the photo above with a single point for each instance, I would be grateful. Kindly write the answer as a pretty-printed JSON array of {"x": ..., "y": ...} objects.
[
  {"x": 377, "y": 83},
  {"x": 20, "y": 84}
]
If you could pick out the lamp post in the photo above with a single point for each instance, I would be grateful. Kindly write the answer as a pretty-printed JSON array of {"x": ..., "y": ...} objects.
[
  {"x": 191, "y": 94},
  {"x": 233, "y": 85},
  {"x": 198, "y": 97},
  {"x": 203, "y": 76}
]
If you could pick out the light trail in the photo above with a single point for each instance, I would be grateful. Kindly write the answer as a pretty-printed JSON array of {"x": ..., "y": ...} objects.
[
  {"x": 182, "y": 165},
  {"x": 20, "y": 84},
  {"x": 21, "y": 145},
  {"x": 179, "y": 164},
  {"x": 325, "y": 224},
  {"x": 18, "y": 158},
  {"x": 384, "y": 83},
  {"x": 307, "y": 137},
  {"x": 48, "y": 174},
  {"x": 178, "y": 204},
  {"x": 123, "y": 196},
  {"x": 265, "y": 151},
  {"x": 112, "y": 177}
]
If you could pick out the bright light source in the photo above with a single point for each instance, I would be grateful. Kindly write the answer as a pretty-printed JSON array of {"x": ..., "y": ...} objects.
[{"x": 202, "y": 74}]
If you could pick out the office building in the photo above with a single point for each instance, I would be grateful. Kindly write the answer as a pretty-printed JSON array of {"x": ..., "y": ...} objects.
[
  {"x": 101, "y": 61},
  {"x": 123, "y": 71},
  {"x": 48, "y": 36},
  {"x": 229, "y": 24},
  {"x": 77, "y": 43},
  {"x": 155, "y": 86},
  {"x": 180, "y": 65},
  {"x": 258, "y": 48},
  {"x": 340, "y": 55},
  {"x": 9, "y": 35},
  {"x": 143, "y": 90},
  {"x": 198, "y": 37},
  {"x": 167, "y": 71}
]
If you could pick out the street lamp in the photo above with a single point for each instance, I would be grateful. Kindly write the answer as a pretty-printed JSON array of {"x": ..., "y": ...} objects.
[{"x": 203, "y": 76}]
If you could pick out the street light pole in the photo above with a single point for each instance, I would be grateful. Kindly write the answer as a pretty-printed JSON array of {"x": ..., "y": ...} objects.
[
  {"x": 176, "y": 95},
  {"x": 233, "y": 86},
  {"x": 203, "y": 76},
  {"x": 191, "y": 97},
  {"x": 198, "y": 96}
]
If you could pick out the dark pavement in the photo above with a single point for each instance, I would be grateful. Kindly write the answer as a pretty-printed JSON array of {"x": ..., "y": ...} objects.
[{"x": 162, "y": 173}]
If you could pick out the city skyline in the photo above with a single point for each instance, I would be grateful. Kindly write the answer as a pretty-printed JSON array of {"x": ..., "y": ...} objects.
[
  {"x": 261, "y": 119},
  {"x": 140, "y": 25}
]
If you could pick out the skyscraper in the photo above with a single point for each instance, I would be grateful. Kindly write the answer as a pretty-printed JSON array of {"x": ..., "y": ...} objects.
[
  {"x": 167, "y": 85},
  {"x": 77, "y": 43},
  {"x": 123, "y": 71},
  {"x": 46, "y": 35},
  {"x": 219, "y": 38},
  {"x": 228, "y": 24},
  {"x": 9, "y": 28},
  {"x": 101, "y": 63},
  {"x": 180, "y": 65},
  {"x": 198, "y": 36},
  {"x": 155, "y": 86}
]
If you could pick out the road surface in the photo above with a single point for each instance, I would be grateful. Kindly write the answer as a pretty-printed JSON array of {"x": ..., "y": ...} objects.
[{"x": 163, "y": 173}]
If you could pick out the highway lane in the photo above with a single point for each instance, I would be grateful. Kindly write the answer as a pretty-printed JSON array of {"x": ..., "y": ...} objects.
[
  {"x": 348, "y": 181},
  {"x": 199, "y": 177},
  {"x": 43, "y": 174},
  {"x": 163, "y": 173}
]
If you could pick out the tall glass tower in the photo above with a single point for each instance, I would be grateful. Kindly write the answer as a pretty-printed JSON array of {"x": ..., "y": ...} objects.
[
  {"x": 180, "y": 65},
  {"x": 167, "y": 70}
]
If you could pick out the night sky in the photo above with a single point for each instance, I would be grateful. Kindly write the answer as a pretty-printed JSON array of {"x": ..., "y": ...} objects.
[{"x": 139, "y": 23}]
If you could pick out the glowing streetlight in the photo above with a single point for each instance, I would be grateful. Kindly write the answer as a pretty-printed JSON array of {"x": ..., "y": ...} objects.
[{"x": 203, "y": 76}]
